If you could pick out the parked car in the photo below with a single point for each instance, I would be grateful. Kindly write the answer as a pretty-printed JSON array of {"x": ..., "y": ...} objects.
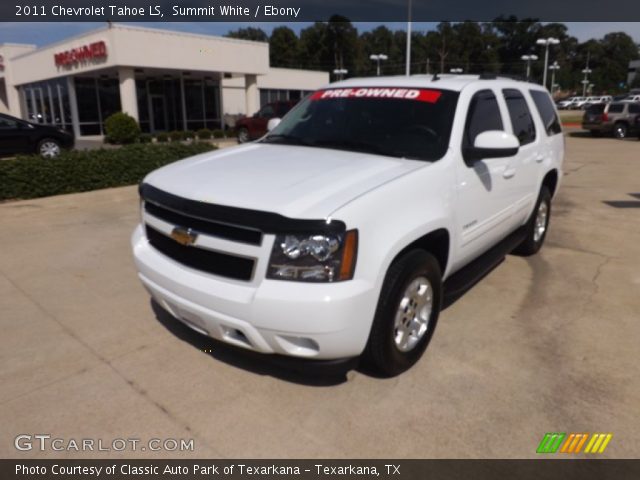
[
  {"x": 632, "y": 98},
  {"x": 636, "y": 126},
  {"x": 250, "y": 128},
  {"x": 19, "y": 136},
  {"x": 617, "y": 118},
  {"x": 344, "y": 230},
  {"x": 569, "y": 103},
  {"x": 596, "y": 100}
]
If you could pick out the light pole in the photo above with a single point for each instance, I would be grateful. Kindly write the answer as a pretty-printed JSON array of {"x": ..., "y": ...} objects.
[
  {"x": 585, "y": 82},
  {"x": 546, "y": 42},
  {"x": 529, "y": 59},
  {"x": 407, "y": 69},
  {"x": 555, "y": 67},
  {"x": 340, "y": 72},
  {"x": 378, "y": 58}
]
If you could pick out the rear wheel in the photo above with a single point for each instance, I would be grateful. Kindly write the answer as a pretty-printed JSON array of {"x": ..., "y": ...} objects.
[
  {"x": 620, "y": 130},
  {"x": 243, "y": 135},
  {"x": 49, "y": 148},
  {"x": 537, "y": 226},
  {"x": 406, "y": 315}
]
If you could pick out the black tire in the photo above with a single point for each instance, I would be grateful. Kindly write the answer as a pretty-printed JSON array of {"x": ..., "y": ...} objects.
[
  {"x": 620, "y": 130},
  {"x": 48, "y": 148},
  {"x": 382, "y": 355},
  {"x": 532, "y": 243},
  {"x": 243, "y": 135}
]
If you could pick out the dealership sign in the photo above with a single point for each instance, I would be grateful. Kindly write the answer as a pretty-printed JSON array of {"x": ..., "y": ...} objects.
[{"x": 83, "y": 54}]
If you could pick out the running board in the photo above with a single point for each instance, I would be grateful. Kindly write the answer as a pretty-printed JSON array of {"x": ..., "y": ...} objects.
[{"x": 464, "y": 279}]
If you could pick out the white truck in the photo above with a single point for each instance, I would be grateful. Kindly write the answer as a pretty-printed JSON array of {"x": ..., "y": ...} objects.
[{"x": 343, "y": 232}]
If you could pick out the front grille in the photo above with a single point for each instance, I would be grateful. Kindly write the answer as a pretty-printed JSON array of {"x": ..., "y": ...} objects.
[
  {"x": 217, "y": 263},
  {"x": 215, "y": 229}
]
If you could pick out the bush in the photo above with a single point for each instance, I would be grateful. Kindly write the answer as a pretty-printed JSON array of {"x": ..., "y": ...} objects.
[
  {"x": 162, "y": 137},
  {"x": 80, "y": 171},
  {"x": 145, "y": 138},
  {"x": 188, "y": 134},
  {"x": 218, "y": 133},
  {"x": 176, "y": 136},
  {"x": 120, "y": 128},
  {"x": 204, "y": 134}
]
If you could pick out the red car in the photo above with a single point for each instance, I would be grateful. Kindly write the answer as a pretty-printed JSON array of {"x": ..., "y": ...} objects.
[{"x": 250, "y": 128}]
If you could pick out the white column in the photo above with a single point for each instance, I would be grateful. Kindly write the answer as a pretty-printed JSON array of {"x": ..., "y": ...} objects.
[
  {"x": 73, "y": 105},
  {"x": 251, "y": 94},
  {"x": 128, "y": 96}
]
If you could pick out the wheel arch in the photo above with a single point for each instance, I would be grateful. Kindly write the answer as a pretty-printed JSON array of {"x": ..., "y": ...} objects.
[
  {"x": 436, "y": 242},
  {"x": 550, "y": 181}
]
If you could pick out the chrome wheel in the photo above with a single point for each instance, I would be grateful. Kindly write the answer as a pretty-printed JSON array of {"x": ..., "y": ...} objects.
[
  {"x": 49, "y": 149},
  {"x": 413, "y": 314},
  {"x": 620, "y": 131},
  {"x": 541, "y": 222},
  {"x": 243, "y": 135}
]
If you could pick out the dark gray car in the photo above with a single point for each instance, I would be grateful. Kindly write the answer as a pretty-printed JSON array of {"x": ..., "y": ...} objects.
[{"x": 617, "y": 118}]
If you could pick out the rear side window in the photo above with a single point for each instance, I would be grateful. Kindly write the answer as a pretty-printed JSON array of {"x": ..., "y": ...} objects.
[
  {"x": 616, "y": 108},
  {"x": 548, "y": 113},
  {"x": 521, "y": 120},
  {"x": 634, "y": 108},
  {"x": 484, "y": 115}
]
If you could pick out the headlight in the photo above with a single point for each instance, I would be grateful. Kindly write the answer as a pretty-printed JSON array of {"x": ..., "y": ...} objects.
[{"x": 314, "y": 258}]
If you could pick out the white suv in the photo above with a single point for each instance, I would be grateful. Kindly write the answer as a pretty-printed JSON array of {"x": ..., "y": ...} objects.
[{"x": 344, "y": 231}]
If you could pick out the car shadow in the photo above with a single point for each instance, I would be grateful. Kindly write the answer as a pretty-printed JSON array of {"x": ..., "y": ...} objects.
[{"x": 307, "y": 373}]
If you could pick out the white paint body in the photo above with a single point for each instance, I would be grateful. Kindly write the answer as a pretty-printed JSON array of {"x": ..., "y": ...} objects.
[{"x": 390, "y": 201}]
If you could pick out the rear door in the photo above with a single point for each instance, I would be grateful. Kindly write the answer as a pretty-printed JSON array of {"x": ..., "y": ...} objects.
[{"x": 13, "y": 137}]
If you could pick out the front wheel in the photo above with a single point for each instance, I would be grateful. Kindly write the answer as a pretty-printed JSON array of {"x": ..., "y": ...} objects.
[
  {"x": 406, "y": 315},
  {"x": 243, "y": 135},
  {"x": 537, "y": 226},
  {"x": 49, "y": 148}
]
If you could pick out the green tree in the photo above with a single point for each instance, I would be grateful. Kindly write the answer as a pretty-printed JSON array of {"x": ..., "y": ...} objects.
[
  {"x": 283, "y": 48},
  {"x": 249, "y": 33}
]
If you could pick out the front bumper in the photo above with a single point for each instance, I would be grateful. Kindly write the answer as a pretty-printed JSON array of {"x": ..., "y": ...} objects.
[{"x": 315, "y": 321}]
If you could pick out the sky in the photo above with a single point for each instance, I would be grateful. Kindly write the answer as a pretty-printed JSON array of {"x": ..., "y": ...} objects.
[{"x": 45, "y": 33}]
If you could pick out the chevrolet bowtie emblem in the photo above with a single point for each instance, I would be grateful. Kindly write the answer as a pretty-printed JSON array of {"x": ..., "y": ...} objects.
[{"x": 184, "y": 236}]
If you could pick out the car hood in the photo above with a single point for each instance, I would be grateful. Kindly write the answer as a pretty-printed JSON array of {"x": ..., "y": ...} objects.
[{"x": 295, "y": 181}]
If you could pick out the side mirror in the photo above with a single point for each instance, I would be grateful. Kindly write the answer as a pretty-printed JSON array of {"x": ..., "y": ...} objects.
[
  {"x": 273, "y": 123},
  {"x": 492, "y": 144}
]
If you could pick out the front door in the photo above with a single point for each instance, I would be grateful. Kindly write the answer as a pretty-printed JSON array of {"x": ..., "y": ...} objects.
[{"x": 158, "y": 113}]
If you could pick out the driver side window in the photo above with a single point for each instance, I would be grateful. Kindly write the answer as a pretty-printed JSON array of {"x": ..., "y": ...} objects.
[
  {"x": 266, "y": 112},
  {"x": 7, "y": 124},
  {"x": 483, "y": 115}
]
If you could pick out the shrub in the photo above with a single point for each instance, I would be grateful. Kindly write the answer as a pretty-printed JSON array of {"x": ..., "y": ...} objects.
[
  {"x": 80, "y": 171},
  {"x": 120, "y": 128},
  {"x": 145, "y": 138},
  {"x": 204, "y": 134},
  {"x": 162, "y": 137},
  {"x": 217, "y": 133},
  {"x": 176, "y": 135},
  {"x": 187, "y": 134}
]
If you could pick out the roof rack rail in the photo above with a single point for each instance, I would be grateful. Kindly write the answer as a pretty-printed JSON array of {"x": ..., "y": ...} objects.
[{"x": 494, "y": 76}]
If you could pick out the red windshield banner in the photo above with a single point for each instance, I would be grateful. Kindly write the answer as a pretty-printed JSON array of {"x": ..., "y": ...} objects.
[{"x": 418, "y": 94}]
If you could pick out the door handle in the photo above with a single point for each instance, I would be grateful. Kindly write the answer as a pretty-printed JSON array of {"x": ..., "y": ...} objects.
[
  {"x": 540, "y": 159},
  {"x": 509, "y": 172}
]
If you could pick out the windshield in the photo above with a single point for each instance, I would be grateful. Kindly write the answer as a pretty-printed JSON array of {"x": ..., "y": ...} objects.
[{"x": 397, "y": 122}]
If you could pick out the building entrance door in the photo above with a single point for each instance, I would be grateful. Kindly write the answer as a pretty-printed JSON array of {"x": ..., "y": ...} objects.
[{"x": 158, "y": 113}]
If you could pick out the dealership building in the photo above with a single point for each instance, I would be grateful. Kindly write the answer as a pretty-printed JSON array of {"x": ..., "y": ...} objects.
[{"x": 167, "y": 80}]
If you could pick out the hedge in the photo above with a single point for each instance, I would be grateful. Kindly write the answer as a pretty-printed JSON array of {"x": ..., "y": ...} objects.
[{"x": 80, "y": 171}]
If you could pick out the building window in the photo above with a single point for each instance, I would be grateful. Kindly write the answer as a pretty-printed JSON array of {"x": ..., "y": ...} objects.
[
  {"x": 47, "y": 103},
  {"x": 97, "y": 99},
  {"x": 269, "y": 95}
]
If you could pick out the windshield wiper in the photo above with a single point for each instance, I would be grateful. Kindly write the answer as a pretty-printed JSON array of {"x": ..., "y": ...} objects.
[{"x": 286, "y": 139}]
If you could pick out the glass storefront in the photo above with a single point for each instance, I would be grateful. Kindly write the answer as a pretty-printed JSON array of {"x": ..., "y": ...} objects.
[
  {"x": 48, "y": 103},
  {"x": 268, "y": 95},
  {"x": 165, "y": 102}
]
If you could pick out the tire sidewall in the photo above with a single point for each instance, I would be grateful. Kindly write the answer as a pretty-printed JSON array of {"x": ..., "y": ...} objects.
[
  {"x": 415, "y": 264},
  {"x": 243, "y": 135}
]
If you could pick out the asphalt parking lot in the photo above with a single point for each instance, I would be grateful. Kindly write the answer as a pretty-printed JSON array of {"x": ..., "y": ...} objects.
[{"x": 545, "y": 344}]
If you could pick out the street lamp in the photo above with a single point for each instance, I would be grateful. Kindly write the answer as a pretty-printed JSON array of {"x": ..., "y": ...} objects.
[
  {"x": 529, "y": 59},
  {"x": 378, "y": 58},
  {"x": 555, "y": 67},
  {"x": 546, "y": 42},
  {"x": 340, "y": 72},
  {"x": 456, "y": 70},
  {"x": 585, "y": 82}
]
